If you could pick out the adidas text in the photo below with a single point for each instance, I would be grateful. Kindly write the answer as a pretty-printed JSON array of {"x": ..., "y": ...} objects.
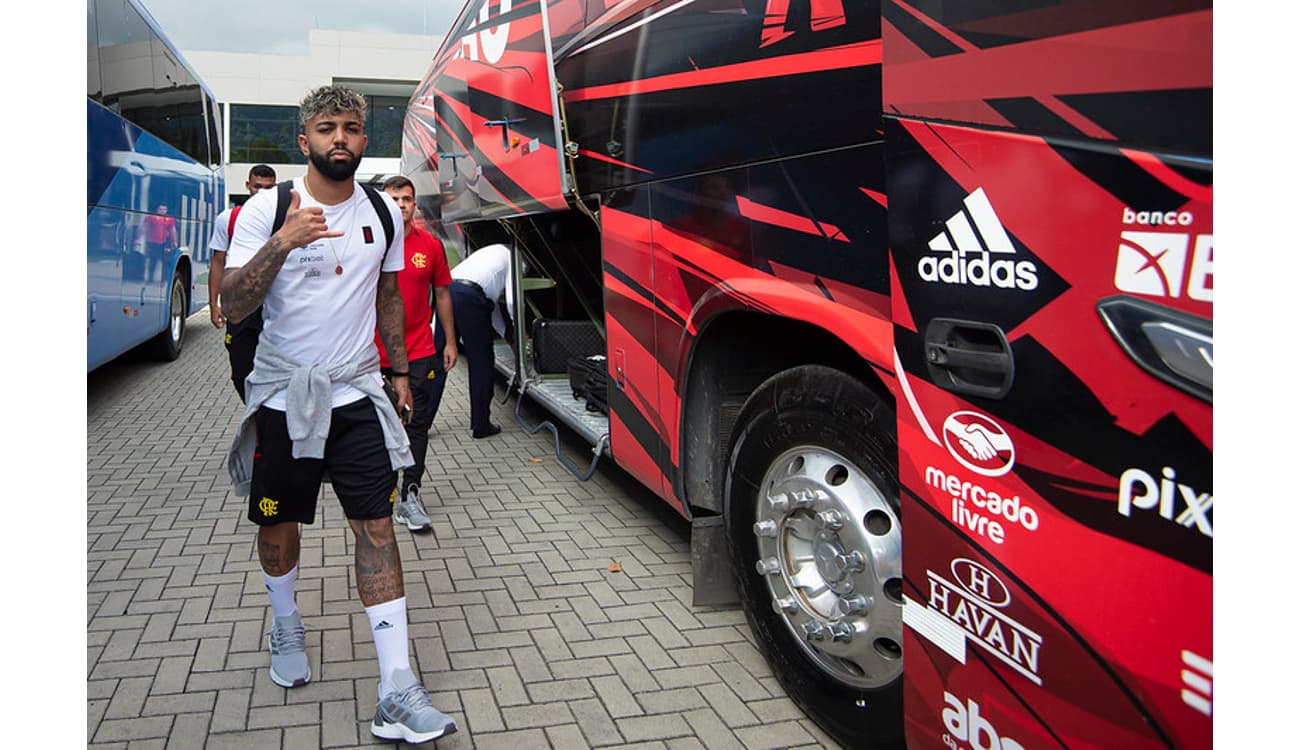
[
  {"x": 980, "y": 270},
  {"x": 964, "y": 252}
]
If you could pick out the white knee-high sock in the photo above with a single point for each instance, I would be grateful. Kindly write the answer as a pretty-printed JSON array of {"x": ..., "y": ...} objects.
[
  {"x": 281, "y": 591},
  {"x": 388, "y": 628}
]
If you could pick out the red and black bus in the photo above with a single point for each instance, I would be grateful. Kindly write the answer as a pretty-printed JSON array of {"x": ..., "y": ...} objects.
[{"x": 861, "y": 267}]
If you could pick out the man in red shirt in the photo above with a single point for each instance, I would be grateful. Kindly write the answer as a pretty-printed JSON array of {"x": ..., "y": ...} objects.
[
  {"x": 426, "y": 268},
  {"x": 159, "y": 237}
]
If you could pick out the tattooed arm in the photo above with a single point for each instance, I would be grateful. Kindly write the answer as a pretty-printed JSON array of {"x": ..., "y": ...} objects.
[
  {"x": 244, "y": 288},
  {"x": 390, "y": 319}
]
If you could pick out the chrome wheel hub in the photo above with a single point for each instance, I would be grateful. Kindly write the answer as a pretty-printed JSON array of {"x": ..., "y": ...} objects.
[{"x": 830, "y": 549}]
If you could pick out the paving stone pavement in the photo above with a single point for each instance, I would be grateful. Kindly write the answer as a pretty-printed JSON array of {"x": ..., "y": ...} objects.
[{"x": 518, "y": 626}]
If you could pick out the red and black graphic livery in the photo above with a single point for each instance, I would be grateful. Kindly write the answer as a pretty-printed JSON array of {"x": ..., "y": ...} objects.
[
  {"x": 696, "y": 265},
  {"x": 1051, "y": 230},
  {"x": 988, "y": 224},
  {"x": 485, "y": 115}
]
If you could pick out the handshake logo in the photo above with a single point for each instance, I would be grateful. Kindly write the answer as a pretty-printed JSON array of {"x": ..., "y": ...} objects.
[{"x": 979, "y": 443}]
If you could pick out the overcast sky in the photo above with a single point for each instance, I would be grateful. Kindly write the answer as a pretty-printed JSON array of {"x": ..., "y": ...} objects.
[{"x": 281, "y": 26}]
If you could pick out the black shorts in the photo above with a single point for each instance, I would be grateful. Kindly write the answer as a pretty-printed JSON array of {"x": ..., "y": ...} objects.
[{"x": 285, "y": 488}]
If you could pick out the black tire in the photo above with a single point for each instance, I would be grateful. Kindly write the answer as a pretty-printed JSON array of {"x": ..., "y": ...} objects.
[
  {"x": 166, "y": 346},
  {"x": 811, "y": 486}
]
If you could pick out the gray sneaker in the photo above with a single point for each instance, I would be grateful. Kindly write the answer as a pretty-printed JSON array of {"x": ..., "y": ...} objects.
[
  {"x": 407, "y": 714},
  {"x": 410, "y": 512},
  {"x": 288, "y": 641}
]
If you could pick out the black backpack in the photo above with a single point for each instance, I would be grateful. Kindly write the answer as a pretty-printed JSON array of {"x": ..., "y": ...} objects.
[{"x": 283, "y": 199}]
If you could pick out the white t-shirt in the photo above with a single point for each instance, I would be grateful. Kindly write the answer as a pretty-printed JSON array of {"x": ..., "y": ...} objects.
[
  {"x": 220, "y": 241},
  {"x": 489, "y": 267},
  {"x": 312, "y": 314}
]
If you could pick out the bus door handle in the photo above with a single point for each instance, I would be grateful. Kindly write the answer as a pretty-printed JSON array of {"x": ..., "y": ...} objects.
[
  {"x": 969, "y": 357},
  {"x": 620, "y": 369}
]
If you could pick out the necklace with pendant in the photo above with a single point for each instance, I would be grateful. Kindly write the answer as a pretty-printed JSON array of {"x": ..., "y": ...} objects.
[{"x": 338, "y": 260}]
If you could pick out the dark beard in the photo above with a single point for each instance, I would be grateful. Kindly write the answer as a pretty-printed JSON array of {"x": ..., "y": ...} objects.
[{"x": 334, "y": 170}]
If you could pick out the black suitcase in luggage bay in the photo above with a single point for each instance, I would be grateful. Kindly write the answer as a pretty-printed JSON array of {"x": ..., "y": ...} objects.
[
  {"x": 555, "y": 342},
  {"x": 589, "y": 379}
]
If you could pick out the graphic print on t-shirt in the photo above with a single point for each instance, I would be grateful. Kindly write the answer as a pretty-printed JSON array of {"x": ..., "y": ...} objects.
[
  {"x": 314, "y": 315},
  {"x": 310, "y": 259}
]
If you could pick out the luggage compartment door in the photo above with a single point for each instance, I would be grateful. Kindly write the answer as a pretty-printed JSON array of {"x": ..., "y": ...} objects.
[{"x": 490, "y": 103}]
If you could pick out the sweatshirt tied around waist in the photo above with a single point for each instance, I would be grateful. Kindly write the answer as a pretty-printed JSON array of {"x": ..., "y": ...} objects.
[{"x": 308, "y": 405}]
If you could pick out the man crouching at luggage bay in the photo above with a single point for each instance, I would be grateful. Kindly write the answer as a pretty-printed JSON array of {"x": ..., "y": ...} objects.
[{"x": 315, "y": 399}]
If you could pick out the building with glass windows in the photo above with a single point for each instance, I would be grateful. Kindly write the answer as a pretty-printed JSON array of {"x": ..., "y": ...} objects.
[{"x": 258, "y": 96}]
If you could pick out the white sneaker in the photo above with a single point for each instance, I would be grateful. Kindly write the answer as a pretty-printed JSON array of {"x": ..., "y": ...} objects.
[
  {"x": 288, "y": 641},
  {"x": 406, "y": 713},
  {"x": 410, "y": 512}
]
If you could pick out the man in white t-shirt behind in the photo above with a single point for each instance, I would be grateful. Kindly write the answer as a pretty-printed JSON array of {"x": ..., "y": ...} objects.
[
  {"x": 241, "y": 338},
  {"x": 478, "y": 283},
  {"x": 315, "y": 400}
]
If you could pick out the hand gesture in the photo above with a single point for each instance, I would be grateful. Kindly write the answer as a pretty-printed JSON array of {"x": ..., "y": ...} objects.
[{"x": 303, "y": 226}]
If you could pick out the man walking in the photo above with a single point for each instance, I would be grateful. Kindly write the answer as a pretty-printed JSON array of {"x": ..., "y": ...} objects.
[
  {"x": 241, "y": 337},
  {"x": 315, "y": 400},
  {"x": 425, "y": 269}
]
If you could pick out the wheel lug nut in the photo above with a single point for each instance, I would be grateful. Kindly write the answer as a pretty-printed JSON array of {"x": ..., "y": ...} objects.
[
  {"x": 830, "y": 520},
  {"x": 765, "y": 528},
  {"x": 841, "y": 632},
  {"x": 768, "y": 567},
  {"x": 854, "y": 605},
  {"x": 785, "y": 604},
  {"x": 779, "y": 504},
  {"x": 805, "y": 499},
  {"x": 815, "y": 631},
  {"x": 852, "y": 562}
]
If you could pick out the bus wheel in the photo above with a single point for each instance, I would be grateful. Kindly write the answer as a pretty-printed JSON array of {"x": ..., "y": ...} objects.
[
  {"x": 812, "y": 515},
  {"x": 167, "y": 344}
]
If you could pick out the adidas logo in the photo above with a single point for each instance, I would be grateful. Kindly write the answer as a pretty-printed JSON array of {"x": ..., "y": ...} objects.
[
  {"x": 383, "y": 625},
  {"x": 966, "y": 252}
]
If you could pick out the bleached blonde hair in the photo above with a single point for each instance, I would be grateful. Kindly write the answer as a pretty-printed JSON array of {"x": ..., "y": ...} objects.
[{"x": 331, "y": 100}]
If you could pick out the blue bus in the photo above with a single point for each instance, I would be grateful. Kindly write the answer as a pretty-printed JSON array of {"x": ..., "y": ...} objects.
[{"x": 154, "y": 185}]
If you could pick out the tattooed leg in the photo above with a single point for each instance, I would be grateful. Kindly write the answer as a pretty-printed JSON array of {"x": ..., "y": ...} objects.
[
  {"x": 277, "y": 547},
  {"x": 379, "y": 565}
]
